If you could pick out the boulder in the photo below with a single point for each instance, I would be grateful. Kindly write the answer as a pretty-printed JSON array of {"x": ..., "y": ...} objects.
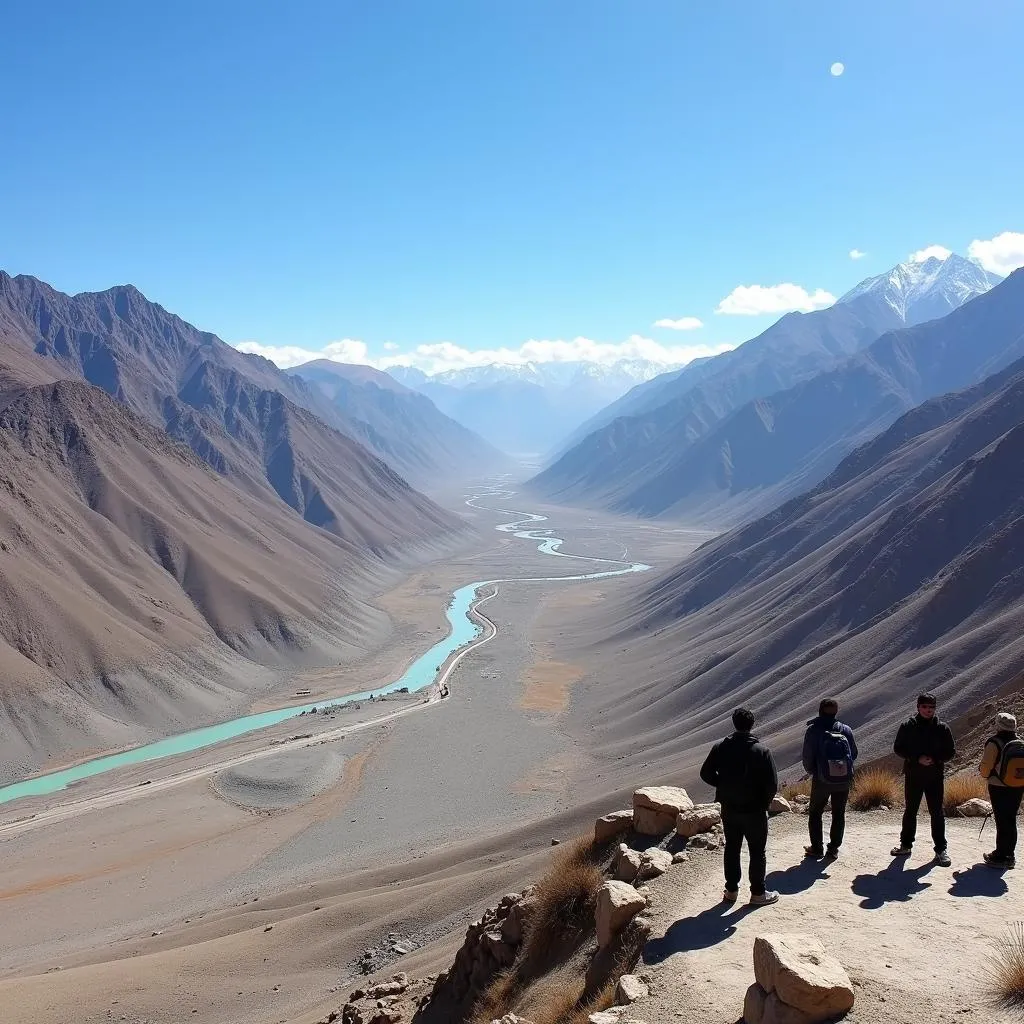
[
  {"x": 705, "y": 841},
  {"x": 778, "y": 1012},
  {"x": 753, "y": 1004},
  {"x": 797, "y": 968},
  {"x": 617, "y": 904},
  {"x": 611, "y": 825},
  {"x": 974, "y": 808},
  {"x": 655, "y": 809},
  {"x": 702, "y": 818},
  {"x": 779, "y": 805},
  {"x": 628, "y": 864},
  {"x": 629, "y": 989},
  {"x": 680, "y": 857},
  {"x": 654, "y": 862}
]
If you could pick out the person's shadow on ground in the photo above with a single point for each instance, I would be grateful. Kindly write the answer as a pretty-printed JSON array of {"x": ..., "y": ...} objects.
[
  {"x": 798, "y": 877},
  {"x": 978, "y": 880},
  {"x": 706, "y": 929},
  {"x": 893, "y": 884}
]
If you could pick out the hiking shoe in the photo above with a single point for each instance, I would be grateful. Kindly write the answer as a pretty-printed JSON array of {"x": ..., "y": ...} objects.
[
  {"x": 831, "y": 855},
  {"x": 942, "y": 859},
  {"x": 901, "y": 851},
  {"x": 762, "y": 899},
  {"x": 993, "y": 860},
  {"x": 814, "y": 852},
  {"x": 729, "y": 895}
]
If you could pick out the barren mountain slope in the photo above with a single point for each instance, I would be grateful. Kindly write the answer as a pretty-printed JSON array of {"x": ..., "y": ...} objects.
[
  {"x": 402, "y": 424},
  {"x": 778, "y": 446},
  {"x": 184, "y": 378},
  {"x": 904, "y": 569},
  {"x": 141, "y": 593}
]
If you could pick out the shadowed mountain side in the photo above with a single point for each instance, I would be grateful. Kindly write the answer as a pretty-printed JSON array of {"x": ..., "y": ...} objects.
[
  {"x": 778, "y": 446},
  {"x": 141, "y": 593},
  {"x": 638, "y": 440},
  {"x": 188, "y": 380},
  {"x": 401, "y": 423},
  {"x": 903, "y": 570}
]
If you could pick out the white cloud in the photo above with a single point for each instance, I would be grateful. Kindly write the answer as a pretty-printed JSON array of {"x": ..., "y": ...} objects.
[
  {"x": 938, "y": 252},
  {"x": 445, "y": 355},
  {"x": 757, "y": 299},
  {"x": 348, "y": 350},
  {"x": 684, "y": 323},
  {"x": 837, "y": 69},
  {"x": 1000, "y": 255},
  {"x": 856, "y": 254},
  {"x": 390, "y": 346}
]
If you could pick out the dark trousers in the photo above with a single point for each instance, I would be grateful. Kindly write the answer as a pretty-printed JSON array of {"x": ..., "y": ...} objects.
[
  {"x": 1005, "y": 805},
  {"x": 820, "y": 797},
  {"x": 753, "y": 827},
  {"x": 932, "y": 790}
]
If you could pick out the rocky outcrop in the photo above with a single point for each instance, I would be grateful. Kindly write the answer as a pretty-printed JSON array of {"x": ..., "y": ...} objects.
[
  {"x": 629, "y": 989},
  {"x": 617, "y": 904},
  {"x": 699, "y": 819},
  {"x": 638, "y": 865},
  {"x": 609, "y": 826},
  {"x": 797, "y": 982},
  {"x": 974, "y": 808},
  {"x": 656, "y": 808}
]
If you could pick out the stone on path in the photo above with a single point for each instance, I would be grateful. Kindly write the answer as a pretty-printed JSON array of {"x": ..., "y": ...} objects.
[
  {"x": 611, "y": 825},
  {"x": 798, "y": 970},
  {"x": 974, "y": 808},
  {"x": 699, "y": 819},
  {"x": 629, "y": 989},
  {"x": 655, "y": 809},
  {"x": 654, "y": 863},
  {"x": 779, "y": 805},
  {"x": 617, "y": 904},
  {"x": 628, "y": 864}
]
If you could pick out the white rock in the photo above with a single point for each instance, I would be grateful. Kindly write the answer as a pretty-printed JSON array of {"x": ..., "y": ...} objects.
[
  {"x": 655, "y": 808},
  {"x": 974, "y": 808},
  {"x": 702, "y": 818},
  {"x": 610, "y": 825},
  {"x": 680, "y": 857},
  {"x": 779, "y": 805},
  {"x": 654, "y": 863},
  {"x": 797, "y": 968},
  {"x": 629, "y": 989},
  {"x": 628, "y": 864},
  {"x": 617, "y": 904}
]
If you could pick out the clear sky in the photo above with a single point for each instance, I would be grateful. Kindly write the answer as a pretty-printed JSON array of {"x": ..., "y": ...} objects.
[{"x": 486, "y": 172}]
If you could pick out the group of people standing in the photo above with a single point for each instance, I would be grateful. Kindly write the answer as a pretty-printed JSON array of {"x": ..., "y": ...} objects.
[{"x": 743, "y": 773}]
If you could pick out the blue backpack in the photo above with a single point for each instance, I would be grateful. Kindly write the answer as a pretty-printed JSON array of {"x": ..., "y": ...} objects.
[{"x": 835, "y": 758}]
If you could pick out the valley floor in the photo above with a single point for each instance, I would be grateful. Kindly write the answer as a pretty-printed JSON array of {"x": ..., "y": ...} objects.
[{"x": 245, "y": 887}]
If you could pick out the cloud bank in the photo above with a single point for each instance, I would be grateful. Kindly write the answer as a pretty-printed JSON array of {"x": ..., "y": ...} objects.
[
  {"x": 684, "y": 323},
  {"x": 1000, "y": 255},
  {"x": 930, "y": 252},
  {"x": 445, "y": 355},
  {"x": 759, "y": 300},
  {"x": 856, "y": 254}
]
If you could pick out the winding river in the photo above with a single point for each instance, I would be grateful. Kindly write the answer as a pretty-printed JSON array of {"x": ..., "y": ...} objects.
[{"x": 422, "y": 673}]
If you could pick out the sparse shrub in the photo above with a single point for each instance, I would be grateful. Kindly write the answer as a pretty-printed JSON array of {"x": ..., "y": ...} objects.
[
  {"x": 1007, "y": 968},
  {"x": 961, "y": 788},
  {"x": 875, "y": 787},
  {"x": 791, "y": 790}
]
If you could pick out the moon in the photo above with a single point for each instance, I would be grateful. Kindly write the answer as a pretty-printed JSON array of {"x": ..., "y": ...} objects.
[{"x": 837, "y": 69}]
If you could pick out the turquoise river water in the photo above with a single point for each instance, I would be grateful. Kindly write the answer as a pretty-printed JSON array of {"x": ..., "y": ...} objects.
[{"x": 419, "y": 675}]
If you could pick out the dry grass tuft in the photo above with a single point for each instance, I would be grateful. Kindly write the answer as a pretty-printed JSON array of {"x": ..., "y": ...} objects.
[
  {"x": 875, "y": 787},
  {"x": 1007, "y": 970},
  {"x": 791, "y": 790},
  {"x": 962, "y": 787}
]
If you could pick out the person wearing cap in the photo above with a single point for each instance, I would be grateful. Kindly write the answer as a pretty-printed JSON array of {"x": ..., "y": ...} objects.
[
  {"x": 1005, "y": 799},
  {"x": 926, "y": 746}
]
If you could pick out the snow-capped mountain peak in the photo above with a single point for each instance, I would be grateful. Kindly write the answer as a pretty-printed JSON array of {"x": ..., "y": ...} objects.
[{"x": 917, "y": 292}]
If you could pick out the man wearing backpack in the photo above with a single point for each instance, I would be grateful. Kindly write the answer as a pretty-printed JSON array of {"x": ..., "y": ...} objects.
[
  {"x": 1002, "y": 764},
  {"x": 828, "y": 756},
  {"x": 926, "y": 745},
  {"x": 745, "y": 780}
]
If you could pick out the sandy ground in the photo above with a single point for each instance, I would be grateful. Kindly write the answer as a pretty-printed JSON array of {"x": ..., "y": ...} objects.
[
  {"x": 146, "y": 902},
  {"x": 915, "y": 938}
]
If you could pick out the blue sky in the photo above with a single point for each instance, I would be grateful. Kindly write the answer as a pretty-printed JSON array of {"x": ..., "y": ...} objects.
[{"x": 482, "y": 173}]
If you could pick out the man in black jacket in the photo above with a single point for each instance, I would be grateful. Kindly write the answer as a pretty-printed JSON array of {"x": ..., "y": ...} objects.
[
  {"x": 926, "y": 745},
  {"x": 830, "y": 780},
  {"x": 745, "y": 780}
]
